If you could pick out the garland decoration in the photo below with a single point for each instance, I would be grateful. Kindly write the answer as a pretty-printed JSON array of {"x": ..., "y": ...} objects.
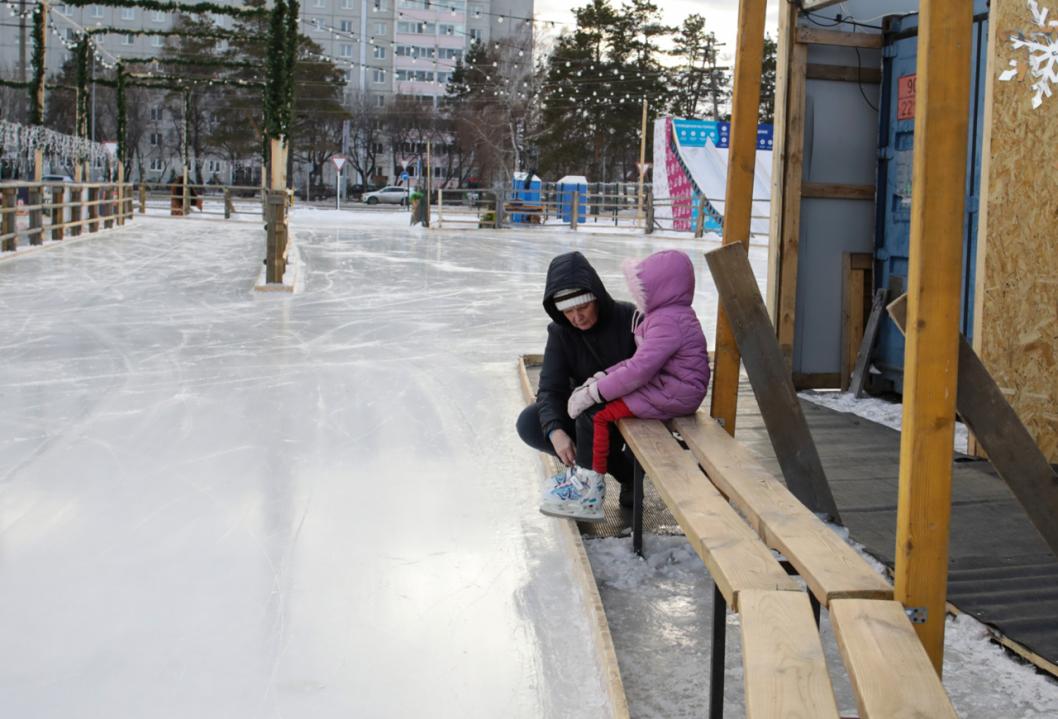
[
  {"x": 275, "y": 119},
  {"x": 214, "y": 33},
  {"x": 122, "y": 112},
  {"x": 190, "y": 62},
  {"x": 81, "y": 113},
  {"x": 36, "y": 94},
  {"x": 66, "y": 147},
  {"x": 176, "y": 7}
]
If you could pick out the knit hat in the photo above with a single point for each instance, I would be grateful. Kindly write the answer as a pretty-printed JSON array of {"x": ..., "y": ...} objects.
[{"x": 570, "y": 298}]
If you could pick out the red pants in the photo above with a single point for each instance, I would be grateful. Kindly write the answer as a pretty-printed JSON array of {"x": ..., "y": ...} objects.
[{"x": 600, "y": 447}]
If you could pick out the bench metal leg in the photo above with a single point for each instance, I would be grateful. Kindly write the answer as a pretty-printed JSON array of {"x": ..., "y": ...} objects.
[
  {"x": 716, "y": 674},
  {"x": 637, "y": 508}
]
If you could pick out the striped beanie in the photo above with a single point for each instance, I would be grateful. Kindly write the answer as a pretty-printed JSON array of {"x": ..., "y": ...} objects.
[{"x": 570, "y": 298}]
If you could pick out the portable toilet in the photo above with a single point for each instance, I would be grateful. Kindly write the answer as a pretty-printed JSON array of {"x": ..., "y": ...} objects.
[
  {"x": 527, "y": 192},
  {"x": 566, "y": 187}
]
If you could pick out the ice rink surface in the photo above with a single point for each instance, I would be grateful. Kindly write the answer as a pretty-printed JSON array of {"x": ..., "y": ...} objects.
[{"x": 216, "y": 503}]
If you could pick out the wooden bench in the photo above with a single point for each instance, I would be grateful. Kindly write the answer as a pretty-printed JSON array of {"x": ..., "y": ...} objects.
[
  {"x": 785, "y": 669},
  {"x": 831, "y": 568},
  {"x": 785, "y": 673}
]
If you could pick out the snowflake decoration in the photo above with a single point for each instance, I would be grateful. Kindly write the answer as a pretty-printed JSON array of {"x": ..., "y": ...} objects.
[{"x": 1042, "y": 48}]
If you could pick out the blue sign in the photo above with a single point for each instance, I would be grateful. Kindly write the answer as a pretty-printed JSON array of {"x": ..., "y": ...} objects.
[
  {"x": 404, "y": 176},
  {"x": 694, "y": 133}
]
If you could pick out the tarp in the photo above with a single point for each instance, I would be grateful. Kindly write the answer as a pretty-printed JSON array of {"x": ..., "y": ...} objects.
[{"x": 690, "y": 160}]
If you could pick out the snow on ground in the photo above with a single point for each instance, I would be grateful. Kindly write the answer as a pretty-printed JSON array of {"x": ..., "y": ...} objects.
[
  {"x": 660, "y": 613},
  {"x": 884, "y": 412}
]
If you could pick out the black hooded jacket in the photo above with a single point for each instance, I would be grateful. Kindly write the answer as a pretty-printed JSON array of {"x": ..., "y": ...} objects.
[{"x": 573, "y": 355}]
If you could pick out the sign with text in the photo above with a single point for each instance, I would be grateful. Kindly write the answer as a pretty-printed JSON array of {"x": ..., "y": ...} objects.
[{"x": 905, "y": 97}]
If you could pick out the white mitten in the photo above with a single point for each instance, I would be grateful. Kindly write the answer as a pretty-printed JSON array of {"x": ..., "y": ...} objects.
[{"x": 583, "y": 397}]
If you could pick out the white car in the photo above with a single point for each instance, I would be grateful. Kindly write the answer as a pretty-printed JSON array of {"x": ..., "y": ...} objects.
[{"x": 390, "y": 195}]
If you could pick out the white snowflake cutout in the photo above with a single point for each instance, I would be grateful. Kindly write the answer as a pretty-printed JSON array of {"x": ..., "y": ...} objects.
[{"x": 1041, "y": 47}]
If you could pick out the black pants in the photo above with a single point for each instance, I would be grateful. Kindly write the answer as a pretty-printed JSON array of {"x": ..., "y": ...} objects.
[{"x": 581, "y": 432}]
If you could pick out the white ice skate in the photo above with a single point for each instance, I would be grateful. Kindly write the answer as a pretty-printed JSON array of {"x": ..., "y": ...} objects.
[{"x": 576, "y": 493}]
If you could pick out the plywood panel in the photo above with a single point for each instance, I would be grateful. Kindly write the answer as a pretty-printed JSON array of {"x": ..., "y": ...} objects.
[{"x": 1016, "y": 300}]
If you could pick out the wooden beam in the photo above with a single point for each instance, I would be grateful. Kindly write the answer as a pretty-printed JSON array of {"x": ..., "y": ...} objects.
[
  {"x": 836, "y": 191},
  {"x": 782, "y": 658},
  {"x": 772, "y": 386},
  {"x": 738, "y": 200},
  {"x": 784, "y": 44},
  {"x": 856, "y": 273},
  {"x": 931, "y": 355},
  {"x": 1010, "y": 447},
  {"x": 819, "y": 36},
  {"x": 791, "y": 203},
  {"x": 870, "y": 335},
  {"x": 843, "y": 73},
  {"x": 809, "y": 5},
  {"x": 889, "y": 671}
]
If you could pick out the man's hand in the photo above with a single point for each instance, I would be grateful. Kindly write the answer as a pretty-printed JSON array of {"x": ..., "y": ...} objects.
[{"x": 564, "y": 448}]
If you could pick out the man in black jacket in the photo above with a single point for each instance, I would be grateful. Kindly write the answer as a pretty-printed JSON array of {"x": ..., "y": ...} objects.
[{"x": 589, "y": 332}]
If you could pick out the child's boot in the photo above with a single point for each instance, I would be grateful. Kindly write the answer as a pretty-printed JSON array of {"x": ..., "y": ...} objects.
[{"x": 576, "y": 493}]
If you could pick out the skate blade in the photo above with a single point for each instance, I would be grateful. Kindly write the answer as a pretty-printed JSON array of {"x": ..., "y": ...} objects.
[{"x": 570, "y": 515}]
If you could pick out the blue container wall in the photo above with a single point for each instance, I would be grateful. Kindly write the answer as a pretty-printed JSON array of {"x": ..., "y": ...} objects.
[
  {"x": 529, "y": 195},
  {"x": 896, "y": 143},
  {"x": 565, "y": 199}
]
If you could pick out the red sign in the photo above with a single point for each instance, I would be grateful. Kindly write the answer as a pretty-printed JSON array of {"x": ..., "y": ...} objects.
[{"x": 905, "y": 97}]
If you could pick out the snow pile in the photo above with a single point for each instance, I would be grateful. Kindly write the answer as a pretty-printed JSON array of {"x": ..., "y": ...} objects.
[{"x": 889, "y": 414}]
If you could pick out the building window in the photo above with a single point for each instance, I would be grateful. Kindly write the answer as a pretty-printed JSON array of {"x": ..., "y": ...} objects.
[
  {"x": 380, "y": 28},
  {"x": 97, "y": 11},
  {"x": 380, "y": 100},
  {"x": 158, "y": 16},
  {"x": 128, "y": 13},
  {"x": 475, "y": 34},
  {"x": 347, "y": 4},
  {"x": 379, "y": 52},
  {"x": 127, "y": 39},
  {"x": 157, "y": 41},
  {"x": 63, "y": 10},
  {"x": 156, "y": 113},
  {"x": 345, "y": 25},
  {"x": 378, "y": 76},
  {"x": 347, "y": 50},
  {"x": 155, "y": 139},
  {"x": 156, "y": 164},
  {"x": 321, "y": 3}
]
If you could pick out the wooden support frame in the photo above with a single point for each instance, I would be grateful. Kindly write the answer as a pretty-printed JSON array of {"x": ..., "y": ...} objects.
[
  {"x": 857, "y": 275},
  {"x": 837, "y": 191},
  {"x": 931, "y": 355},
  {"x": 820, "y": 36},
  {"x": 738, "y": 201}
]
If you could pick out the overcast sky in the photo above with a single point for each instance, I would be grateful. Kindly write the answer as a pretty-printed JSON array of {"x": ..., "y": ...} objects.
[{"x": 721, "y": 16}]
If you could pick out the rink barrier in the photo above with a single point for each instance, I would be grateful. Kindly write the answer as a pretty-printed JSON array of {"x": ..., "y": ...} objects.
[
  {"x": 58, "y": 209},
  {"x": 201, "y": 199},
  {"x": 733, "y": 517}
]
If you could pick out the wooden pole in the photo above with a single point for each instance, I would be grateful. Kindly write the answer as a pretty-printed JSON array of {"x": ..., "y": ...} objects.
[
  {"x": 38, "y": 153},
  {"x": 738, "y": 202},
  {"x": 642, "y": 163},
  {"x": 931, "y": 354},
  {"x": 429, "y": 183}
]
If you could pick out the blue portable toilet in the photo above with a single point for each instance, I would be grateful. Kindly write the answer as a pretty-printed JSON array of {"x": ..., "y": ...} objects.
[
  {"x": 566, "y": 187},
  {"x": 896, "y": 142},
  {"x": 526, "y": 191}
]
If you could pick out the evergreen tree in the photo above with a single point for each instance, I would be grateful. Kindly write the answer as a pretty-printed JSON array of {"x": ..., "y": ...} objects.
[{"x": 767, "y": 81}]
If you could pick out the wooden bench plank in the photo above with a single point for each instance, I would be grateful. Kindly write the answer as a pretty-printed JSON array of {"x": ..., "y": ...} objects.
[
  {"x": 736, "y": 558},
  {"x": 831, "y": 568},
  {"x": 891, "y": 673},
  {"x": 782, "y": 658}
]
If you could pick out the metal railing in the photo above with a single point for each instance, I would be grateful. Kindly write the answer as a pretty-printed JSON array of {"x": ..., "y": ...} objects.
[{"x": 58, "y": 209}]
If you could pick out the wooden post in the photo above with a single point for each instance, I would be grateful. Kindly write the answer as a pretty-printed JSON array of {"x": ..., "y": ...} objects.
[
  {"x": 738, "y": 202},
  {"x": 185, "y": 201},
  {"x": 228, "y": 207},
  {"x": 7, "y": 225},
  {"x": 931, "y": 356},
  {"x": 649, "y": 229},
  {"x": 58, "y": 211},
  {"x": 277, "y": 236},
  {"x": 35, "y": 195},
  {"x": 440, "y": 207},
  {"x": 93, "y": 209},
  {"x": 143, "y": 198},
  {"x": 574, "y": 215},
  {"x": 279, "y": 163},
  {"x": 75, "y": 200},
  {"x": 699, "y": 225},
  {"x": 642, "y": 162},
  {"x": 429, "y": 183},
  {"x": 120, "y": 205}
]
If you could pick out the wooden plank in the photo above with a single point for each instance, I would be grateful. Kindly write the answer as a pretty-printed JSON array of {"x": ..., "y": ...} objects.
[
  {"x": 738, "y": 200},
  {"x": 870, "y": 336},
  {"x": 843, "y": 73},
  {"x": 831, "y": 568},
  {"x": 1010, "y": 447},
  {"x": 772, "y": 386},
  {"x": 836, "y": 191},
  {"x": 889, "y": 669},
  {"x": 734, "y": 555},
  {"x": 1016, "y": 291},
  {"x": 782, "y": 658},
  {"x": 791, "y": 203},
  {"x": 812, "y": 5},
  {"x": 784, "y": 43},
  {"x": 816, "y": 380},
  {"x": 852, "y": 327},
  {"x": 934, "y": 278},
  {"x": 819, "y": 36},
  {"x": 589, "y": 589}
]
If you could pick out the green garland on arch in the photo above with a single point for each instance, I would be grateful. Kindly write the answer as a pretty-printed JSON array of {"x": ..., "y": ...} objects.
[
  {"x": 36, "y": 111},
  {"x": 169, "y": 6},
  {"x": 190, "y": 62},
  {"x": 81, "y": 57},
  {"x": 216, "y": 33},
  {"x": 122, "y": 110}
]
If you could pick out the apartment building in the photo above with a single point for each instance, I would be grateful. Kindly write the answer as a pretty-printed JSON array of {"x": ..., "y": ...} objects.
[{"x": 385, "y": 47}]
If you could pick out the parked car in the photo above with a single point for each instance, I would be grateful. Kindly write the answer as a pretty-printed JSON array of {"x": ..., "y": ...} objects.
[{"x": 390, "y": 195}]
